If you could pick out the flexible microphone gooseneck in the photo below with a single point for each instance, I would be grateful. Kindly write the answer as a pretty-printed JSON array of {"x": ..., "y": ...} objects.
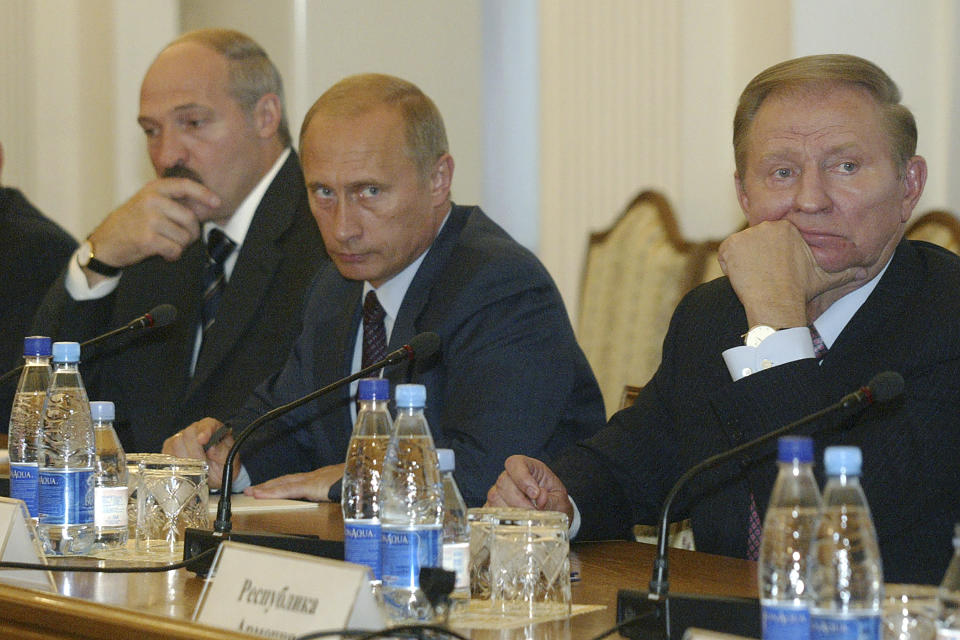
[
  {"x": 422, "y": 346},
  {"x": 882, "y": 388},
  {"x": 160, "y": 316}
]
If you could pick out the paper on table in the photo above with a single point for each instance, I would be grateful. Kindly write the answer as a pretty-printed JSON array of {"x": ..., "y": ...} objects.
[{"x": 240, "y": 503}]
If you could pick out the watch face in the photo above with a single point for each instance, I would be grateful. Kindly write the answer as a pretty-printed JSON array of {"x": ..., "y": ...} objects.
[{"x": 758, "y": 334}]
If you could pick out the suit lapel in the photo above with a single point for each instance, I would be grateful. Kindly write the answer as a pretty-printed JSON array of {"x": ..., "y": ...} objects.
[{"x": 254, "y": 270}]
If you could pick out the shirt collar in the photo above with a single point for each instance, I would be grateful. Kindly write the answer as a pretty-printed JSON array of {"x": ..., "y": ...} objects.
[
  {"x": 239, "y": 223},
  {"x": 832, "y": 321},
  {"x": 392, "y": 292}
]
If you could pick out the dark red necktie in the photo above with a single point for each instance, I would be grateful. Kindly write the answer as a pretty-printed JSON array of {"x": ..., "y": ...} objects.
[{"x": 374, "y": 333}]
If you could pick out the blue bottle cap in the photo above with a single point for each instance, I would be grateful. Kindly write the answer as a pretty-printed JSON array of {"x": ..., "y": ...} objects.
[
  {"x": 447, "y": 460},
  {"x": 843, "y": 460},
  {"x": 795, "y": 448},
  {"x": 373, "y": 389},
  {"x": 66, "y": 352},
  {"x": 36, "y": 346},
  {"x": 411, "y": 395},
  {"x": 102, "y": 410}
]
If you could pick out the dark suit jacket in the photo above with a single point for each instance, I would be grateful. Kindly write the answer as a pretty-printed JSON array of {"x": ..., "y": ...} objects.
[
  {"x": 147, "y": 375},
  {"x": 33, "y": 251},
  {"x": 691, "y": 410},
  {"x": 509, "y": 378}
]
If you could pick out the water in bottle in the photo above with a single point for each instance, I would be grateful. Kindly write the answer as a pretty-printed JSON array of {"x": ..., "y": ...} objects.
[
  {"x": 788, "y": 530},
  {"x": 948, "y": 627},
  {"x": 456, "y": 530},
  {"x": 845, "y": 574},
  {"x": 360, "y": 495},
  {"x": 110, "y": 495},
  {"x": 411, "y": 509},
  {"x": 66, "y": 458},
  {"x": 26, "y": 417}
]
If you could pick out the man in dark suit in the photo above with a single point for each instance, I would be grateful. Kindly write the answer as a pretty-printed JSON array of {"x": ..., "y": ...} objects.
[
  {"x": 509, "y": 374},
  {"x": 224, "y": 234},
  {"x": 827, "y": 178},
  {"x": 33, "y": 251}
]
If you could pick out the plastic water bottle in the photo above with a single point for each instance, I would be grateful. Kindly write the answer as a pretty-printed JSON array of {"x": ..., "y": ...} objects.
[
  {"x": 845, "y": 575},
  {"x": 788, "y": 530},
  {"x": 66, "y": 459},
  {"x": 948, "y": 627},
  {"x": 456, "y": 530},
  {"x": 411, "y": 509},
  {"x": 110, "y": 495},
  {"x": 26, "y": 417},
  {"x": 360, "y": 495}
]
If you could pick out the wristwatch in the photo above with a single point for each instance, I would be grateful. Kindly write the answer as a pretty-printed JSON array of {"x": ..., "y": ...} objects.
[
  {"x": 87, "y": 259},
  {"x": 758, "y": 334}
]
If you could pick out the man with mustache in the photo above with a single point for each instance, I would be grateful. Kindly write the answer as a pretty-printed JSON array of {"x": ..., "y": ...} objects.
[
  {"x": 821, "y": 293},
  {"x": 224, "y": 234}
]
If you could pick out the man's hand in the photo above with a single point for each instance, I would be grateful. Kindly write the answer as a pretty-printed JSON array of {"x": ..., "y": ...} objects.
[
  {"x": 528, "y": 482},
  {"x": 776, "y": 277},
  {"x": 189, "y": 444},
  {"x": 162, "y": 219},
  {"x": 314, "y": 485}
]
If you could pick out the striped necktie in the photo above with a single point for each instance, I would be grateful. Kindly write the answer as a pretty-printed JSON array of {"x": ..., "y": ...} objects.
[
  {"x": 219, "y": 247},
  {"x": 374, "y": 332}
]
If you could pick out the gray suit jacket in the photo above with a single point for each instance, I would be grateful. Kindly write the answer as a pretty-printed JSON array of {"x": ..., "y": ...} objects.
[
  {"x": 691, "y": 410},
  {"x": 147, "y": 374},
  {"x": 509, "y": 378}
]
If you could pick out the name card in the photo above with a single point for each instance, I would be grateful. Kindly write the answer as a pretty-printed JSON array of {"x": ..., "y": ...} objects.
[
  {"x": 19, "y": 543},
  {"x": 281, "y": 594}
]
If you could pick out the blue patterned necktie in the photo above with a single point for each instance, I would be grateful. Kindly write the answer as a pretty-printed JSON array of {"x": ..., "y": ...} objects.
[
  {"x": 374, "y": 332},
  {"x": 219, "y": 247}
]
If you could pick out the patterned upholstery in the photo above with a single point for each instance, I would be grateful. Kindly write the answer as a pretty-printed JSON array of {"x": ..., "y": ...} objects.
[
  {"x": 634, "y": 276},
  {"x": 937, "y": 226}
]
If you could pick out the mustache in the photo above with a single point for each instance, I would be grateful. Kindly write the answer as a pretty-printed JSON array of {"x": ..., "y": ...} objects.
[{"x": 180, "y": 171}]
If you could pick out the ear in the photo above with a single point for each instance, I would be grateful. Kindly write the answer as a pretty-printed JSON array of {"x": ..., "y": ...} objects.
[
  {"x": 441, "y": 177},
  {"x": 267, "y": 115},
  {"x": 914, "y": 178},
  {"x": 741, "y": 192}
]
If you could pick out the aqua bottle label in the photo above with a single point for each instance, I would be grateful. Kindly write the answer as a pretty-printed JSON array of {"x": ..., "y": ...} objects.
[
  {"x": 863, "y": 626},
  {"x": 404, "y": 550},
  {"x": 23, "y": 484},
  {"x": 66, "y": 496},
  {"x": 784, "y": 621},
  {"x": 361, "y": 543}
]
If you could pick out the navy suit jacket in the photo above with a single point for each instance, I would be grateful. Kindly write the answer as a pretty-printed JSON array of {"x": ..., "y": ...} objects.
[
  {"x": 509, "y": 377},
  {"x": 691, "y": 409},
  {"x": 147, "y": 375}
]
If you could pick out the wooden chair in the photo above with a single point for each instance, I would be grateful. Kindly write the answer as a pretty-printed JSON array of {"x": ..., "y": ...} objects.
[
  {"x": 937, "y": 226},
  {"x": 680, "y": 533},
  {"x": 634, "y": 275}
]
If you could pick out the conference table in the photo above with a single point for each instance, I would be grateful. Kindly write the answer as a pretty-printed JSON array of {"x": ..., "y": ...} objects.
[{"x": 160, "y": 605}]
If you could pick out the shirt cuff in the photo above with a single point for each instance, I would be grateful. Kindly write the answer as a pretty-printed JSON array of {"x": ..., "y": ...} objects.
[
  {"x": 781, "y": 347},
  {"x": 79, "y": 289},
  {"x": 575, "y": 523},
  {"x": 242, "y": 481}
]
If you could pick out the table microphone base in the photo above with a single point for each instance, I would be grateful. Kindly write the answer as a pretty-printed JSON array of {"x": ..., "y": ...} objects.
[
  {"x": 196, "y": 541},
  {"x": 669, "y": 617}
]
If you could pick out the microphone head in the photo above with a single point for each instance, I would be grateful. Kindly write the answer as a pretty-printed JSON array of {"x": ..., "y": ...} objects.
[
  {"x": 162, "y": 315},
  {"x": 886, "y": 386},
  {"x": 423, "y": 345}
]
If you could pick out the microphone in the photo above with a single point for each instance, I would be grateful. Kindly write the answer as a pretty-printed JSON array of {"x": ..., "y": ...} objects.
[
  {"x": 160, "y": 316},
  {"x": 196, "y": 541},
  {"x": 654, "y": 606}
]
